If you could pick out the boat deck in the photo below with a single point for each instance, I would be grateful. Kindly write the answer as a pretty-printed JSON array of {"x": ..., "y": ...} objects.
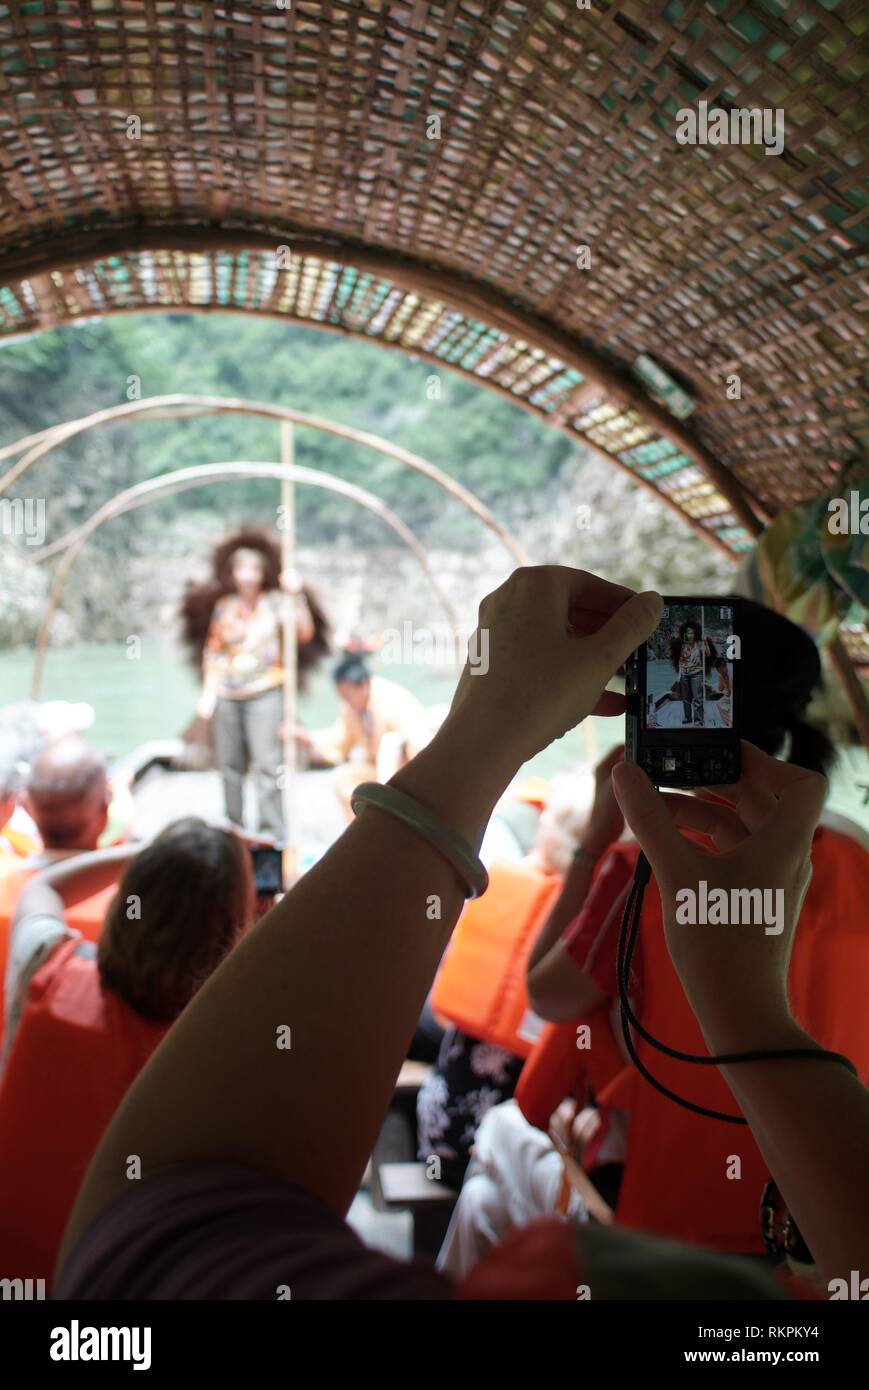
[{"x": 161, "y": 795}]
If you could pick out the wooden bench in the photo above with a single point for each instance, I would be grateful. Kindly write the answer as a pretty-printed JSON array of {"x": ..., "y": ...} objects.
[
  {"x": 412, "y": 1078},
  {"x": 407, "y": 1187}
]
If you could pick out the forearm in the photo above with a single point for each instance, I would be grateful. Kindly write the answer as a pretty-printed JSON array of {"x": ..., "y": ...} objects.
[
  {"x": 211, "y": 681},
  {"x": 331, "y": 746},
  {"x": 810, "y": 1117},
  {"x": 344, "y": 962},
  {"x": 811, "y": 1122},
  {"x": 324, "y": 757},
  {"x": 558, "y": 989},
  {"x": 568, "y": 904}
]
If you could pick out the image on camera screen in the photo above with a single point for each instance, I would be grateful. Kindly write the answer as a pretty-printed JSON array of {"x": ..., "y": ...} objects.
[{"x": 689, "y": 670}]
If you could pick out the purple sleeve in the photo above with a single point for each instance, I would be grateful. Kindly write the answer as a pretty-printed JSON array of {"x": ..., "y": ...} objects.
[{"x": 224, "y": 1232}]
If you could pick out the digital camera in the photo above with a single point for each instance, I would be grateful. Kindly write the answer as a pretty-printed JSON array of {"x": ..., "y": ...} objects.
[{"x": 683, "y": 690}]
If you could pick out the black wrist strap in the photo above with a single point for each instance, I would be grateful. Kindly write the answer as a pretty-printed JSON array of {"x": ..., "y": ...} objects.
[{"x": 628, "y": 934}]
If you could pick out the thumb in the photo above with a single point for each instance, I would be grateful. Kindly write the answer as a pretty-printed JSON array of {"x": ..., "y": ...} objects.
[
  {"x": 626, "y": 630},
  {"x": 647, "y": 814}
]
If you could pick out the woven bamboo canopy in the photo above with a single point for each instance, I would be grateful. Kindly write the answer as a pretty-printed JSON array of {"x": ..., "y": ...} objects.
[{"x": 425, "y": 175}]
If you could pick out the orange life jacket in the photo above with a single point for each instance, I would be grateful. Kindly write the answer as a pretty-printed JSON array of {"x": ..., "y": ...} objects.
[
  {"x": 561, "y": 1063},
  {"x": 480, "y": 986},
  {"x": 675, "y": 1181},
  {"x": 75, "y": 1054},
  {"x": 86, "y": 916}
]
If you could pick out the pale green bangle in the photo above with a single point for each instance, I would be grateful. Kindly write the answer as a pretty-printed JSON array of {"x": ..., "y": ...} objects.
[{"x": 454, "y": 849}]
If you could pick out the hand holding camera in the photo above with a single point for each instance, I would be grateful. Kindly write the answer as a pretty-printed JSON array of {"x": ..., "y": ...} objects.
[
  {"x": 735, "y": 975},
  {"x": 556, "y": 637}
]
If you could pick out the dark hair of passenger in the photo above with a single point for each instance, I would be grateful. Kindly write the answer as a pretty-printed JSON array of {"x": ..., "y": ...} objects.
[
  {"x": 781, "y": 670},
  {"x": 181, "y": 905},
  {"x": 350, "y": 671}
]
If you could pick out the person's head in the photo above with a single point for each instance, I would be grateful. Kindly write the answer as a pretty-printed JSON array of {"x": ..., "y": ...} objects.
[
  {"x": 197, "y": 606},
  {"x": 67, "y": 794},
  {"x": 181, "y": 905},
  {"x": 780, "y": 669},
  {"x": 248, "y": 572},
  {"x": 687, "y": 635},
  {"x": 353, "y": 682}
]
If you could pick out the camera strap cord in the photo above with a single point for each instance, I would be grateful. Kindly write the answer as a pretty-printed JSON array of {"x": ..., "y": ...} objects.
[{"x": 628, "y": 934}]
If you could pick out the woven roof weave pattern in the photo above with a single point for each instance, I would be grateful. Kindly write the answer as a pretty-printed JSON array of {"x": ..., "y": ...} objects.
[{"x": 434, "y": 170}]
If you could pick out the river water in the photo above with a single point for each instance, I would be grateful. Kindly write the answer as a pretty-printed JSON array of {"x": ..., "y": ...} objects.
[{"x": 153, "y": 695}]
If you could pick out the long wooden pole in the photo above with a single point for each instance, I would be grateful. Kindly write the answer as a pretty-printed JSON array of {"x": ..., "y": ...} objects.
[{"x": 287, "y": 521}]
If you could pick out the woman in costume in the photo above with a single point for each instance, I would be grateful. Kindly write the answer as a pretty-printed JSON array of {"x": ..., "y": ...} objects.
[
  {"x": 686, "y": 654},
  {"x": 232, "y": 626}
]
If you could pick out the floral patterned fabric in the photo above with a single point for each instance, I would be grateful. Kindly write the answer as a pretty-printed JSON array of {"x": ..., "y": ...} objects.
[
  {"x": 242, "y": 654},
  {"x": 469, "y": 1079}
]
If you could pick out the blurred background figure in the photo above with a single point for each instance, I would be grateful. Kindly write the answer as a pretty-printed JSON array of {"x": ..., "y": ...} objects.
[
  {"x": 233, "y": 628},
  {"x": 66, "y": 797},
  {"x": 379, "y": 728}
]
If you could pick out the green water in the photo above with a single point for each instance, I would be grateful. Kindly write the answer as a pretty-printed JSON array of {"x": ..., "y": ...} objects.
[{"x": 154, "y": 697}]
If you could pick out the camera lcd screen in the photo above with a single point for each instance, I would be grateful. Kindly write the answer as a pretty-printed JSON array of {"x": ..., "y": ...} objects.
[{"x": 689, "y": 668}]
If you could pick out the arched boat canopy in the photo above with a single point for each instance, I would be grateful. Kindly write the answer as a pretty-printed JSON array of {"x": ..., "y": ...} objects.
[
  {"x": 434, "y": 169},
  {"x": 562, "y": 198}
]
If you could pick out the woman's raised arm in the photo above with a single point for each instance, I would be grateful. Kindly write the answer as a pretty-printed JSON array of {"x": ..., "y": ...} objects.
[{"x": 286, "y": 1059}]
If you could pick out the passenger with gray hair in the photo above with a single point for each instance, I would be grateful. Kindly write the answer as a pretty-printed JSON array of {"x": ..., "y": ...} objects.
[{"x": 67, "y": 794}]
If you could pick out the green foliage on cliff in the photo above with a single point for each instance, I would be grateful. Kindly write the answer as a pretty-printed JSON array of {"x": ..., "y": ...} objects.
[
  {"x": 532, "y": 477},
  {"x": 496, "y": 449}
]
